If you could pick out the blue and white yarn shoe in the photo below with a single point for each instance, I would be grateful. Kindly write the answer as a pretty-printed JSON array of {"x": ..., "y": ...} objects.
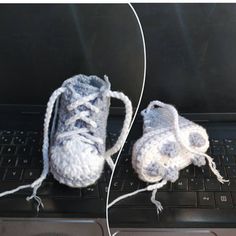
[
  {"x": 169, "y": 144},
  {"x": 77, "y": 152}
]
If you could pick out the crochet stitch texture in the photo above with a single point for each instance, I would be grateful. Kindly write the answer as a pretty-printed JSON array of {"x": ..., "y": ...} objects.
[
  {"x": 77, "y": 149},
  {"x": 158, "y": 154},
  {"x": 169, "y": 143},
  {"x": 76, "y": 152}
]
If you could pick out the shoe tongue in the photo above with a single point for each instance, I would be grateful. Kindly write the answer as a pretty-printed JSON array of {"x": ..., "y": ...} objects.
[{"x": 79, "y": 87}]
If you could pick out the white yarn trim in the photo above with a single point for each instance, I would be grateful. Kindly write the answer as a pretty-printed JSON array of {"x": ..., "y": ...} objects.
[{"x": 86, "y": 136}]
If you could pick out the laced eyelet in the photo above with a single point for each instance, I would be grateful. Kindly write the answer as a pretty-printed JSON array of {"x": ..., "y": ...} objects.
[{"x": 69, "y": 108}]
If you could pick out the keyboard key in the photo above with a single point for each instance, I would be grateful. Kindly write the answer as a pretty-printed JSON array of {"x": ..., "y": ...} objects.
[
  {"x": 223, "y": 200},
  {"x": 37, "y": 162},
  {"x": 8, "y": 161},
  {"x": 103, "y": 187},
  {"x": 113, "y": 137},
  {"x": 206, "y": 199},
  {"x": 33, "y": 140},
  {"x": 217, "y": 150},
  {"x": 55, "y": 189},
  {"x": 20, "y": 133},
  {"x": 176, "y": 199},
  {"x": 5, "y": 139},
  {"x": 231, "y": 150},
  {"x": 195, "y": 216},
  {"x": 134, "y": 217},
  {"x": 8, "y": 133},
  {"x": 231, "y": 185},
  {"x": 231, "y": 171},
  {"x": 212, "y": 184},
  {"x": 216, "y": 142},
  {"x": 166, "y": 187},
  {"x": 11, "y": 184},
  {"x": 24, "y": 150},
  {"x": 228, "y": 160},
  {"x": 130, "y": 185},
  {"x": 36, "y": 151},
  {"x": 116, "y": 185},
  {"x": 196, "y": 184},
  {"x": 125, "y": 159},
  {"x": 202, "y": 171},
  {"x": 126, "y": 148},
  {"x": 217, "y": 159},
  {"x": 141, "y": 199},
  {"x": 13, "y": 205},
  {"x": 31, "y": 174},
  {"x": 2, "y": 172},
  {"x": 234, "y": 198},
  {"x": 90, "y": 192},
  {"x": 126, "y": 172},
  {"x": 187, "y": 172},
  {"x": 181, "y": 184},
  {"x": 9, "y": 150},
  {"x": 222, "y": 171},
  {"x": 19, "y": 140},
  {"x": 13, "y": 174},
  {"x": 24, "y": 161},
  {"x": 228, "y": 141}
]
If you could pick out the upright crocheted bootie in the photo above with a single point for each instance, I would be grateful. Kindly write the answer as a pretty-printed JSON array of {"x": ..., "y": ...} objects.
[
  {"x": 78, "y": 143},
  {"x": 76, "y": 152},
  {"x": 169, "y": 144}
]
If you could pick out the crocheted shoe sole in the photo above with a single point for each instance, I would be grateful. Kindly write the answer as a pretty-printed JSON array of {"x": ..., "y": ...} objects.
[{"x": 148, "y": 152}]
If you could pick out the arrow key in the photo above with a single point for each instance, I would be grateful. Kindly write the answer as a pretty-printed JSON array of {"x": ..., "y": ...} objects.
[{"x": 206, "y": 199}]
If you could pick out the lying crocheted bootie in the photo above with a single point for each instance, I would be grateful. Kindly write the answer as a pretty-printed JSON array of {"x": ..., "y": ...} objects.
[
  {"x": 159, "y": 154},
  {"x": 169, "y": 144},
  {"x": 77, "y": 148}
]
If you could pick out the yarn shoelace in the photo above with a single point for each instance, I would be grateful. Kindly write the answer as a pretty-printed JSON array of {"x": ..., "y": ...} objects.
[
  {"x": 83, "y": 133},
  {"x": 180, "y": 139}
]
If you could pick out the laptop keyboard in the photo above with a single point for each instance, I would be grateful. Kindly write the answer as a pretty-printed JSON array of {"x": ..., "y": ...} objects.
[
  {"x": 21, "y": 163},
  {"x": 195, "y": 188}
]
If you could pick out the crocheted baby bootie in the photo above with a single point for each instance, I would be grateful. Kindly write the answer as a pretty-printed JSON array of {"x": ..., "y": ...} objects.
[
  {"x": 77, "y": 152},
  {"x": 169, "y": 144},
  {"x": 162, "y": 152},
  {"x": 76, "y": 147}
]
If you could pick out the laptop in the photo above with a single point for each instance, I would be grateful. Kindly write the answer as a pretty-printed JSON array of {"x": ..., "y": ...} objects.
[
  {"x": 41, "y": 46},
  {"x": 190, "y": 63}
]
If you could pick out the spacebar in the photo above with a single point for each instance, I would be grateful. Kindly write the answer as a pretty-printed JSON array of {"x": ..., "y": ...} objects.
[
  {"x": 177, "y": 198},
  {"x": 175, "y": 215}
]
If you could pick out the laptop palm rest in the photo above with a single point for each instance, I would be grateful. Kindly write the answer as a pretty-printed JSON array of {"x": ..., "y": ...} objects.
[
  {"x": 50, "y": 227},
  {"x": 176, "y": 232}
]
